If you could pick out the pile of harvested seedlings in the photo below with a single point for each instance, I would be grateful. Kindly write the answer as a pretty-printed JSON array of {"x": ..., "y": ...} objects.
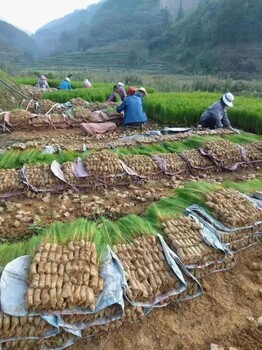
[
  {"x": 24, "y": 326},
  {"x": 72, "y": 141},
  {"x": 171, "y": 164},
  {"x": 146, "y": 269},
  {"x": 106, "y": 168},
  {"x": 253, "y": 154},
  {"x": 239, "y": 214},
  {"x": 64, "y": 277},
  {"x": 81, "y": 182},
  {"x": 232, "y": 208},
  {"x": 185, "y": 237},
  {"x": 142, "y": 165},
  {"x": 10, "y": 181},
  {"x": 39, "y": 176},
  {"x": 223, "y": 153},
  {"x": 198, "y": 164}
]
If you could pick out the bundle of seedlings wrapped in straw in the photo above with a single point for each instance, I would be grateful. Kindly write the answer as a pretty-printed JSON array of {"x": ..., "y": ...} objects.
[
  {"x": 142, "y": 165},
  {"x": 173, "y": 163},
  {"x": 41, "y": 176},
  {"x": 64, "y": 277},
  {"x": 106, "y": 167},
  {"x": 253, "y": 154},
  {"x": 146, "y": 269},
  {"x": 24, "y": 326},
  {"x": 185, "y": 238},
  {"x": 10, "y": 181},
  {"x": 198, "y": 164},
  {"x": 224, "y": 153},
  {"x": 236, "y": 212}
]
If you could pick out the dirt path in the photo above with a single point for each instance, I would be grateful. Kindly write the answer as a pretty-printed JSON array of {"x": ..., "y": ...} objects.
[{"x": 219, "y": 316}]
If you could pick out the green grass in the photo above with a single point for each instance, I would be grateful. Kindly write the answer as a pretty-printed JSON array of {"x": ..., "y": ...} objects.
[
  {"x": 185, "y": 109},
  {"x": 15, "y": 159}
]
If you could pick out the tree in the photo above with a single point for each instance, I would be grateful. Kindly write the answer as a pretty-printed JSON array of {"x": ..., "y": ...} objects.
[{"x": 180, "y": 13}]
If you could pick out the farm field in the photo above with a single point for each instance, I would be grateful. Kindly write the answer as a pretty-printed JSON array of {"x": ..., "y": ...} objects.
[{"x": 170, "y": 223}]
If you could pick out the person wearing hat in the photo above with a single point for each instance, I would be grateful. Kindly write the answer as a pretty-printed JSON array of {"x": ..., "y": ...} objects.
[
  {"x": 141, "y": 92},
  {"x": 42, "y": 82},
  {"x": 117, "y": 89},
  {"x": 133, "y": 109},
  {"x": 87, "y": 84},
  {"x": 65, "y": 84},
  {"x": 216, "y": 115}
]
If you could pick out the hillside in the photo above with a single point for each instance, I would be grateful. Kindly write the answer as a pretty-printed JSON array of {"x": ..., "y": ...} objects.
[
  {"x": 109, "y": 22},
  {"x": 178, "y": 36},
  {"x": 65, "y": 34},
  {"x": 221, "y": 35},
  {"x": 15, "y": 45}
]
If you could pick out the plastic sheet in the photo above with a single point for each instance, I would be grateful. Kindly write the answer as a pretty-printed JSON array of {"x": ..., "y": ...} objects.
[{"x": 13, "y": 287}]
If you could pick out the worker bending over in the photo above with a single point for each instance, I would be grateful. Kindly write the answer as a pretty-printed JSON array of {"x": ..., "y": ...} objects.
[
  {"x": 132, "y": 106},
  {"x": 216, "y": 115}
]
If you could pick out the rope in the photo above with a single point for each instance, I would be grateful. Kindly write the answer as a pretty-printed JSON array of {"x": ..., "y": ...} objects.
[{"x": 12, "y": 88}]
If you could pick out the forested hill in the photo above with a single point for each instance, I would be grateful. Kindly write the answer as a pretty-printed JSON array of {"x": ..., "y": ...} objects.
[
  {"x": 15, "y": 44},
  {"x": 109, "y": 21},
  {"x": 197, "y": 36},
  {"x": 66, "y": 34},
  {"x": 221, "y": 35}
]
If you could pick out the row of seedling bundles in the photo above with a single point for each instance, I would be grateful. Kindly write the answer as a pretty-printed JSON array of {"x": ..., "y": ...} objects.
[
  {"x": 236, "y": 219},
  {"x": 154, "y": 274},
  {"x": 198, "y": 248},
  {"x": 24, "y": 332},
  {"x": 75, "y": 290},
  {"x": 105, "y": 168},
  {"x": 225, "y": 154},
  {"x": 69, "y": 288}
]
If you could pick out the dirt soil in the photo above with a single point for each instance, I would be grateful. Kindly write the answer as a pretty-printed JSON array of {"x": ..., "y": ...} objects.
[
  {"x": 219, "y": 316},
  {"x": 20, "y": 215}
]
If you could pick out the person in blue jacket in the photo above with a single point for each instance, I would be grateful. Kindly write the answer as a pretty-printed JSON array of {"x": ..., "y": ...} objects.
[
  {"x": 133, "y": 109},
  {"x": 141, "y": 92},
  {"x": 65, "y": 84}
]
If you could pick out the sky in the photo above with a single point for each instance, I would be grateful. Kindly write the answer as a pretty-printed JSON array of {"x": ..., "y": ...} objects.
[{"x": 30, "y": 15}]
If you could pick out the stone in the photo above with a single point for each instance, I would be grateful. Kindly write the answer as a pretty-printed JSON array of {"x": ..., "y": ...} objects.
[
  {"x": 216, "y": 347},
  {"x": 250, "y": 319},
  {"x": 16, "y": 223},
  {"x": 259, "y": 321},
  {"x": 46, "y": 199}
]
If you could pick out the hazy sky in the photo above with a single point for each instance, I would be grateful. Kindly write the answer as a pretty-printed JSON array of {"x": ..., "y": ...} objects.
[{"x": 29, "y": 15}]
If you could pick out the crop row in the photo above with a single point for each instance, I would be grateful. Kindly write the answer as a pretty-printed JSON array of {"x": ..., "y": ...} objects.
[
  {"x": 69, "y": 275},
  {"x": 185, "y": 109},
  {"x": 106, "y": 168}
]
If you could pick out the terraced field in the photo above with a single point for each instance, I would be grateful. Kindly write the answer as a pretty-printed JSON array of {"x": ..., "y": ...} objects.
[{"x": 126, "y": 239}]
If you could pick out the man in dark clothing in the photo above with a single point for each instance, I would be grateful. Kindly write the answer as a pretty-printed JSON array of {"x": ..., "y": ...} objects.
[{"x": 216, "y": 115}]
